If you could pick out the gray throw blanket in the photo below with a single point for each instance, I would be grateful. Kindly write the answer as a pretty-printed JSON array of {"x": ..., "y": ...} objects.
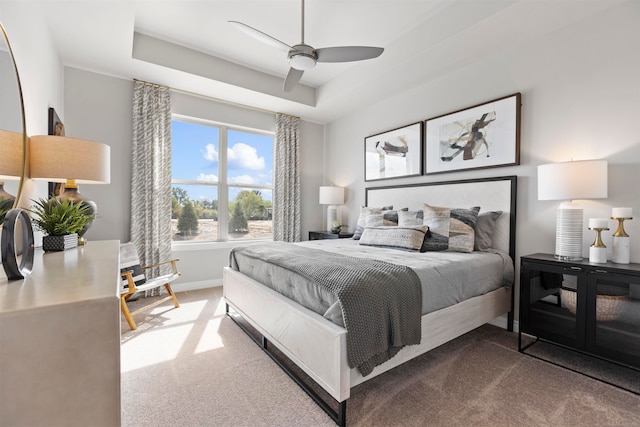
[{"x": 381, "y": 302}]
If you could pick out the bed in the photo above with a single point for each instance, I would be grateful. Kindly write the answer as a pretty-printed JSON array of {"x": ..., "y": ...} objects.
[{"x": 316, "y": 341}]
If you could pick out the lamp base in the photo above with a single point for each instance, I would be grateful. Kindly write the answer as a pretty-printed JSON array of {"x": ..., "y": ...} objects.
[
  {"x": 71, "y": 193},
  {"x": 569, "y": 232},
  {"x": 332, "y": 215},
  {"x": 6, "y": 199}
]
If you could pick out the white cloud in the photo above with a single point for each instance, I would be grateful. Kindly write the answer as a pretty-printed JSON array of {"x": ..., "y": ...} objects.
[
  {"x": 210, "y": 153},
  {"x": 243, "y": 156},
  {"x": 242, "y": 179},
  {"x": 207, "y": 177},
  {"x": 266, "y": 178}
]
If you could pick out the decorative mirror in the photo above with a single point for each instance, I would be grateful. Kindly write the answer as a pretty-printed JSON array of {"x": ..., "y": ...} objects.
[
  {"x": 13, "y": 151},
  {"x": 12, "y": 127}
]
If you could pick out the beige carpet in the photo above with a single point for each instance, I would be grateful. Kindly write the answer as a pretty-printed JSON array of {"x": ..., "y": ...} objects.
[{"x": 192, "y": 366}]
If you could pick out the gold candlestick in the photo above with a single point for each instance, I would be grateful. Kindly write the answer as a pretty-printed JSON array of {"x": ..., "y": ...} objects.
[
  {"x": 598, "y": 243},
  {"x": 598, "y": 251},
  {"x": 620, "y": 231}
]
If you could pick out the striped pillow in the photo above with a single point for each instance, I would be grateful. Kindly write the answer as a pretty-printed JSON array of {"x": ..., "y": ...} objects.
[{"x": 407, "y": 238}]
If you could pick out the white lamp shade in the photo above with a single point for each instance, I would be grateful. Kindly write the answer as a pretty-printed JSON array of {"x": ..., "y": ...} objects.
[
  {"x": 11, "y": 155},
  {"x": 331, "y": 195},
  {"x": 58, "y": 158},
  {"x": 586, "y": 179}
]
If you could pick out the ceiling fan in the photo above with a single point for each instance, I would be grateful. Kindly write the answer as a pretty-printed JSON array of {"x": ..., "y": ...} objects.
[{"x": 304, "y": 57}]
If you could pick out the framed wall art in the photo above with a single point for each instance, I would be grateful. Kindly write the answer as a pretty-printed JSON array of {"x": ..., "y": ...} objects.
[
  {"x": 395, "y": 153},
  {"x": 483, "y": 136},
  {"x": 56, "y": 127}
]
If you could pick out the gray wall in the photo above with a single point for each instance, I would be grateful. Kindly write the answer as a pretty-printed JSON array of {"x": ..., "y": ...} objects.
[
  {"x": 581, "y": 99},
  {"x": 98, "y": 107},
  {"x": 41, "y": 75}
]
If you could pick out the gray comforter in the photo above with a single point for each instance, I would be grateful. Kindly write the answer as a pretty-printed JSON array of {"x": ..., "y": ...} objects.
[{"x": 380, "y": 302}]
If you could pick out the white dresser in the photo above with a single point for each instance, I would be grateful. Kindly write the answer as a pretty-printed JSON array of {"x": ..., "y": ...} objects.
[{"x": 60, "y": 340}]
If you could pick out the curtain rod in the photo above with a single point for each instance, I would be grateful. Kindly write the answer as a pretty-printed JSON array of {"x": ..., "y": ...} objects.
[{"x": 211, "y": 98}]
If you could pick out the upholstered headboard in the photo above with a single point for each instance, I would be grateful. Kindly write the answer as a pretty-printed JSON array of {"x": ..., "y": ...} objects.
[{"x": 491, "y": 194}]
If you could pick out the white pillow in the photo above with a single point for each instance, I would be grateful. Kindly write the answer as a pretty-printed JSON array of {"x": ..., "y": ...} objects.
[{"x": 362, "y": 218}]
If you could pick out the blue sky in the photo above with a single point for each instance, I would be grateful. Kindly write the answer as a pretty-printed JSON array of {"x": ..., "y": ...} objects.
[{"x": 195, "y": 150}]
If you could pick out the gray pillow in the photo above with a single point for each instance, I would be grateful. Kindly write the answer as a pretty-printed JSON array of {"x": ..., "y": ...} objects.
[{"x": 485, "y": 229}]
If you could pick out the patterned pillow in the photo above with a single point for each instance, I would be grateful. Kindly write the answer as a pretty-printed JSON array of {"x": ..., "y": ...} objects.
[
  {"x": 364, "y": 212},
  {"x": 410, "y": 218},
  {"x": 407, "y": 238},
  {"x": 129, "y": 261},
  {"x": 388, "y": 218},
  {"x": 452, "y": 229},
  {"x": 485, "y": 228}
]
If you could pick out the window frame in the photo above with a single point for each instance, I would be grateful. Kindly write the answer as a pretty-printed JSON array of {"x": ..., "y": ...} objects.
[{"x": 222, "y": 184}]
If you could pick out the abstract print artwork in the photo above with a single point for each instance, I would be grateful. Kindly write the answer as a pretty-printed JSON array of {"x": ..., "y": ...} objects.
[
  {"x": 56, "y": 127},
  {"x": 486, "y": 135},
  {"x": 395, "y": 153}
]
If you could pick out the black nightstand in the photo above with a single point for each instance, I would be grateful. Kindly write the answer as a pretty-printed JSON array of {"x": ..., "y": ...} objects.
[
  {"x": 320, "y": 235},
  {"x": 588, "y": 307}
]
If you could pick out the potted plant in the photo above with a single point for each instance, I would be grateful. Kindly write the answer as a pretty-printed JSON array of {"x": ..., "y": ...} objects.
[{"x": 60, "y": 220}]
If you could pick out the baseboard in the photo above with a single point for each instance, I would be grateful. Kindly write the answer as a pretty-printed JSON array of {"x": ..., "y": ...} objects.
[
  {"x": 501, "y": 322},
  {"x": 193, "y": 286}
]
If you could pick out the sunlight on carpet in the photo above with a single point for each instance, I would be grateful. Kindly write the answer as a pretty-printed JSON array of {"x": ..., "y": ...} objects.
[
  {"x": 147, "y": 349},
  {"x": 166, "y": 332},
  {"x": 210, "y": 340}
]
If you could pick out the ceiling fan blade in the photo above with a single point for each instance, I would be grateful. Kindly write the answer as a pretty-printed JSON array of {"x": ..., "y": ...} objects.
[
  {"x": 292, "y": 79},
  {"x": 347, "y": 53},
  {"x": 259, "y": 35}
]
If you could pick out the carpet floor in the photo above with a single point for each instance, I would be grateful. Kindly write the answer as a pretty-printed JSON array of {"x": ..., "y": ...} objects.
[{"x": 193, "y": 366}]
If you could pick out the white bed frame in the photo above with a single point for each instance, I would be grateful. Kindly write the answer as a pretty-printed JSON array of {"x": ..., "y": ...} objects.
[{"x": 318, "y": 346}]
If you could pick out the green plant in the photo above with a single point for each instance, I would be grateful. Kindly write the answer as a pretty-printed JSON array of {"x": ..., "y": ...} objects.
[
  {"x": 59, "y": 217},
  {"x": 238, "y": 222},
  {"x": 188, "y": 219}
]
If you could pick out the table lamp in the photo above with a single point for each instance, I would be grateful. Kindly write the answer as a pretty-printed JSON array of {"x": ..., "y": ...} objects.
[
  {"x": 331, "y": 196},
  {"x": 586, "y": 179},
  {"x": 72, "y": 161}
]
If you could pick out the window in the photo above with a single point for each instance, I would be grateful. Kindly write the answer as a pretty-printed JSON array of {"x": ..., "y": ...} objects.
[{"x": 221, "y": 182}]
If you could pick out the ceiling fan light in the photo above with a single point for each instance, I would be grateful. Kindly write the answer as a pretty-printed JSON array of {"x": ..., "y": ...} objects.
[{"x": 302, "y": 61}]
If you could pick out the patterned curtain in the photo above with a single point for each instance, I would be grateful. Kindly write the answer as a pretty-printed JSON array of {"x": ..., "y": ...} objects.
[
  {"x": 151, "y": 174},
  {"x": 286, "y": 191}
]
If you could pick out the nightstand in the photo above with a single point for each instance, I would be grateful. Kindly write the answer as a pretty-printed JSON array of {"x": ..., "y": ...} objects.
[
  {"x": 320, "y": 235},
  {"x": 588, "y": 307}
]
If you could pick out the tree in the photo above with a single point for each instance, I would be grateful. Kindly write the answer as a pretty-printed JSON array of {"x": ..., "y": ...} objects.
[
  {"x": 188, "y": 219},
  {"x": 180, "y": 194},
  {"x": 176, "y": 209},
  {"x": 238, "y": 221},
  {"x": 252, "y": 203}
]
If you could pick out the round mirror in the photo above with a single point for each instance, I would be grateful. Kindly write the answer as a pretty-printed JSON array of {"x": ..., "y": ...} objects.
[{"x": 13, "y": 136}]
